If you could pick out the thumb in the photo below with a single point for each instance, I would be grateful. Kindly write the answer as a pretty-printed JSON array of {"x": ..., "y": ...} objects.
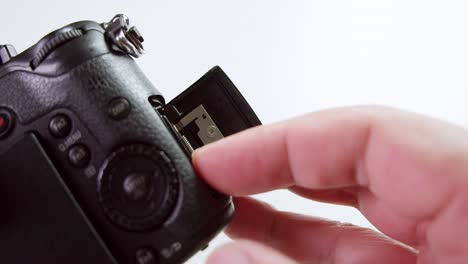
[{"x": 247, "y": 252}]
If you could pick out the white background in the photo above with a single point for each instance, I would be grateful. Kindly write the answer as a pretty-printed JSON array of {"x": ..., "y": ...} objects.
[{"x": 288, "y": 57}]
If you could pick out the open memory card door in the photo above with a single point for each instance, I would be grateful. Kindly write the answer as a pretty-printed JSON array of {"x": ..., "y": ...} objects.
[{"x": 211, "y": 109}]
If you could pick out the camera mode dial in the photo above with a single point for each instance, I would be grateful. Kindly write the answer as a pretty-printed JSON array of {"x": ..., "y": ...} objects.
[{"x": 138, "y": 187}]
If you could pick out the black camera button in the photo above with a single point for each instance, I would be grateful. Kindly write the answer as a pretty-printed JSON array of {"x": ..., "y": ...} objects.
[
  {"x": 6, "y": 123},
  {"x": 137, "y": 186},
  {"x": 118, "y": 108},
  {"x": 60, "y": 126},
  {"x": 145, "y": 256},
  {"x": 79, "y": 156}
]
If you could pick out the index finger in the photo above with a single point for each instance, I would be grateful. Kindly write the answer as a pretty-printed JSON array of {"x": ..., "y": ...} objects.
[
  {"x": 312, "y": 151},
  {"x": 387, "y": 151}
]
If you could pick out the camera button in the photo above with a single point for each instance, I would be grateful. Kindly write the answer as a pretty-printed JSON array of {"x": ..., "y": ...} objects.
[
  {"x": 6, "y": 123},
  {"x": 145, "y": 256},
  {"x": 137, "y": 186},
  {"x": 60, "y": 126},
  {"x": 118, "y": 108},
  {"x": 79, "y": 156}
]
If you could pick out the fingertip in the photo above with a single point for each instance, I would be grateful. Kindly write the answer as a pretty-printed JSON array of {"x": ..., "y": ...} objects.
[
  {"x": 197, "y": 159},
  {"x": 249, "y": 162},
  {"x": 200, "y": 153},
  {"x": 228, "y": 164},
  {"x": 247, "y": 252},
  {"x": 206, "y": 162},
  {"x": 249, "y": 219},
  {"x": 230, "y": 253},
  {"x": 199, "y": 156}
]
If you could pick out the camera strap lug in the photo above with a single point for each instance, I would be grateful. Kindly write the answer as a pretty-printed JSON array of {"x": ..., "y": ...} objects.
[{"x": 126, "y": 38}]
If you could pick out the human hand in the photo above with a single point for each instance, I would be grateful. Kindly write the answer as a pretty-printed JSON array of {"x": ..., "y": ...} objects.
[{"x": 406, "y": 173}]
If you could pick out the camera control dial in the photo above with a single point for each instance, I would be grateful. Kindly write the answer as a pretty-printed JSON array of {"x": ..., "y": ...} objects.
[{"x": 138, "y": 187}]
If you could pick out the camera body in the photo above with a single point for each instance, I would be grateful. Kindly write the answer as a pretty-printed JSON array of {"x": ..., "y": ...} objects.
[{"x": 94, "y": 165}]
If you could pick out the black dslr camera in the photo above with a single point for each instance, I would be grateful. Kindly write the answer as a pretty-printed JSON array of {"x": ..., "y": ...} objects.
[{"x": 94, "y": 165}]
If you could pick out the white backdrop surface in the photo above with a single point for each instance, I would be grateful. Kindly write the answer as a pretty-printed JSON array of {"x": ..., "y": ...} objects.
[{"x": 288, "y": 57}]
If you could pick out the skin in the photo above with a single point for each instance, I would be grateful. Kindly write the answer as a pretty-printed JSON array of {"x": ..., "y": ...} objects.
[{"x": 406, "y": 173}]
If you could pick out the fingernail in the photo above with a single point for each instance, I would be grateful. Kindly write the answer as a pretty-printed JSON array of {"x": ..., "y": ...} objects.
[
  {"x": 230, "y": 254},
  {"x": 198, "y": 152},
  {"x": 197, "y": 158}
]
